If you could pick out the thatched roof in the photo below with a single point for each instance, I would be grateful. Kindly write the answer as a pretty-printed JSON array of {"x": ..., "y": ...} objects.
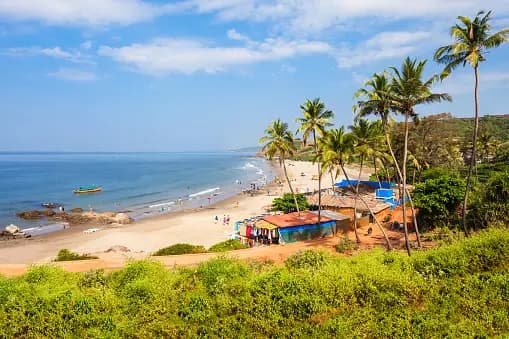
[{"x": 337, "y": 201}]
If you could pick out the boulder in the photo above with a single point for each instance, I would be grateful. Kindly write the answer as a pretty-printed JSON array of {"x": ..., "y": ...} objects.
[
  {"x": 77, "y": 210},
  {"x": 122, "y": 218},
  {"x": 118, "y": 249},
  {"x": 12, "y": 229},
  {"x": 30, "y": 215}
]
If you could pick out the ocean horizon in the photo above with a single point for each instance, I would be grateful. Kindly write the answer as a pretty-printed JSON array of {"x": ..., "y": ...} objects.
[{"x": 143, "y": 183}]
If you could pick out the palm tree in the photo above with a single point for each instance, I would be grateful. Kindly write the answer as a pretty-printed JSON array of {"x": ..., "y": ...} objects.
[
  {"x": 378, "y": 101},
  {"x": 487, "y": 144},
  {"x": 409, "y": 90},
  {"x": 337, "y": 148},
  {"x": 278, "y": 141},
  {"x": 366, "y": 135},
  {"x": 472, "y": 40},
  {"x": 315, "y": 121}
]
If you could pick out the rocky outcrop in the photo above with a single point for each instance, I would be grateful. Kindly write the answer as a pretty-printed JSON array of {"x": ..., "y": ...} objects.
[
  {"x": 78, "y": 217},
  {"x": 123, "y": 219},
  {"x": 35, "y": 214},
  {"x": 118, "y": 249}
]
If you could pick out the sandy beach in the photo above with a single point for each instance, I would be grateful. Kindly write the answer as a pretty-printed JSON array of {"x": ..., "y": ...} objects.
[{"x": 194, "y": 226}]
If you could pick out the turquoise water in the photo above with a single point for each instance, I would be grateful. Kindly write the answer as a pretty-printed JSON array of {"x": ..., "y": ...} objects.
[{"x": 143, "y": 183}]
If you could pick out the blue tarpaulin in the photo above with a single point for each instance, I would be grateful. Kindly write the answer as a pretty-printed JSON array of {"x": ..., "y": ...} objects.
[{"x": 374, "y": 184}]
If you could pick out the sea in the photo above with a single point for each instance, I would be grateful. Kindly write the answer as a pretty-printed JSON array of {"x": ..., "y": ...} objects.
[{"x": 141, "y": 184}]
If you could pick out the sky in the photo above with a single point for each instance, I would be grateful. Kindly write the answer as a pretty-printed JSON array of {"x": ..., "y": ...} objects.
[{"x": 201, "y": 75}]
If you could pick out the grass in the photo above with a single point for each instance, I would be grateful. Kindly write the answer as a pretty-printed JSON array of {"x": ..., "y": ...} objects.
[
  {"x": 66, "y": 255},
  {"x": 227, "y": 245},
  {"x": 180, "y": 249},
  {"x": 457, "y": 290}
]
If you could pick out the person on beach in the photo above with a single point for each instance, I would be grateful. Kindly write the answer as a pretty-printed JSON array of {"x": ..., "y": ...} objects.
[
  {"x": 228, "y": 219},
  {"x": 224, "y": 219},
  {"x": 216, "y": 219}
]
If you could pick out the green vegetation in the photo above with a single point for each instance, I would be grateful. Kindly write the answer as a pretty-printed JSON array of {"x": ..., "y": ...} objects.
[
  {"x": 458, "y": 290},
  {"x": 178, "y": 249},
  {"x": 346, "y": 245},
  {"x": 278, "y": 142},
  {"x": 438, "y": 200},
  {"x": 227, "y": 245},
  {"x": 66, "y": 255},
  {"x": 287, "y": 203},
  {"x": 491, "y": 202}
]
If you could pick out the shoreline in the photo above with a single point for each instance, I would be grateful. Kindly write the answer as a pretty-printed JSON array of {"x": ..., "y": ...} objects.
[{"x": 195, "y": 226}]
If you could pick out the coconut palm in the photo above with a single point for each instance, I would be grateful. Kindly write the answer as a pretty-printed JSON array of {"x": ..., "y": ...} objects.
[
  {"x": 314, "y": 122},
  {"x": 378, "y": 101},
  {"x": 472, "y": 40},
  {"x": 336, "y": 148},
  {"x": 278, "y": 142},
  {"x": 408, "y": 89},
  {"x": 366, "y": 134},
  {"x": 487, "y": 145}
]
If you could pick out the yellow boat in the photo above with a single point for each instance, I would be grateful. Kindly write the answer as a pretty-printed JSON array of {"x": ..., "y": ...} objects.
[{"x": 88, "y": 189}]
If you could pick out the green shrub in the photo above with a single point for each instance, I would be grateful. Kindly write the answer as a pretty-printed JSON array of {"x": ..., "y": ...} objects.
[
  {"x": 287, "y": 203},
  {"x": 180, "y": 249},
  {"x": 346, "y": 245},
  {"x": 307, "y": 259},
  {"x": 66, "y": 255},
  {"x": 227, "y": 245},
  {"x": 457, "y": 290}
]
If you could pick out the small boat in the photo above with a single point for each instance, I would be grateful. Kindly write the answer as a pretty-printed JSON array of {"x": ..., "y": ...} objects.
[
  {"x": 88, "y": 189},
  {"x": 51, "y": 205}
]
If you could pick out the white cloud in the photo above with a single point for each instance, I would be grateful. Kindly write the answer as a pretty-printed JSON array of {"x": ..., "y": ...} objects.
[
  {"x": 317, "y": 15},
  {"x": 384, "y": 45},
  {"x": 86, "y": 45},
  {"x": 163, "y": 56},
  {"x": 234, "y": 35},
  {"x": 85, "y": 12},
  {"x": 54, "y": 52},
  {"x": 73, "y": 75}
]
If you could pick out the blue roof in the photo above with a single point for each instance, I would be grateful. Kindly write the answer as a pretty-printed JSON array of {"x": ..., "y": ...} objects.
[{"x": 374, "y": 184}]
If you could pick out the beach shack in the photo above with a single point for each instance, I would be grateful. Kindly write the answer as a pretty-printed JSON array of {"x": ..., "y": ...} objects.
[
  {"x": 293, "y": 227},
  {"x": 346, "y": 206},
  {"x": 343, "y": 221}
]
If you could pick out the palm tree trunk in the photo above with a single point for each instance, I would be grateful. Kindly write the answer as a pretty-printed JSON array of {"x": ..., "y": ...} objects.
[
  {"x": 405, "y": 150},
  {"x": 474, "y": 150},
  {"x": 291, "y": 188},
  {"x": 355, "y": 203},
  {"x": 319, "y": 180},
  {"x": 389, "y": 246},
  {"x": 414, "y": 217},
  {"x": 332, "y": 178},
  {"x": 376, "y": 173}
]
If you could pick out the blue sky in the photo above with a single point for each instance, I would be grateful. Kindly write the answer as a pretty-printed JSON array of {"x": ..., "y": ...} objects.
[{"x": 133, "y": 75}]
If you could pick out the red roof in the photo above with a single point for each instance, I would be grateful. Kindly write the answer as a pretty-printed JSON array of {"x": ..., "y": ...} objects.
[{"x": 293, "y": 219}]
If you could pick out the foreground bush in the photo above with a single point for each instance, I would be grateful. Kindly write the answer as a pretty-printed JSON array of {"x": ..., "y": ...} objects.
[
  {"x": 227, "y": 245},
  {"x": 458, "y": 290},
  {"x": 180, "y": 249},
  {"x": 66, "y": 255}
]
